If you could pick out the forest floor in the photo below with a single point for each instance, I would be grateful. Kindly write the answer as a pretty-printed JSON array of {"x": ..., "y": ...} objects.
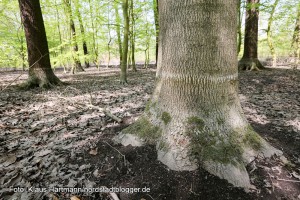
[{"x": 62, "y": 138}]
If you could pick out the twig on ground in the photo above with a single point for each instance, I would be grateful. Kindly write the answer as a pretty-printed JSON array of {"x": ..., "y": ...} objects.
[
  {"x": 118, "y": 152},
  {"x": 286, "y": 180}
]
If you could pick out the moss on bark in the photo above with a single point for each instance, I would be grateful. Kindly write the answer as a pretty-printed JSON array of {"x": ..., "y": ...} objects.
[{"x": 145, "y": 130}]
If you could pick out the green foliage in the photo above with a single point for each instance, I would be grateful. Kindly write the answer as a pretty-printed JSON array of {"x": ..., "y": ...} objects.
[{"x": 98, "y": 20}]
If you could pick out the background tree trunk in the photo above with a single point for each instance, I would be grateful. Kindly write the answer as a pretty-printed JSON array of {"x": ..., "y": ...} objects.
[
  {"x": 123, "y": 75},
  {"x": 84, "y": 44},
  {"x": 296, "y": 38},
  {"x": 194, "y": 116},
  {"x": 40, "y": 71},
  {"x": 118, "y": 30},
  {"x": 250, "y": 60},
  {"x": 269, "y": 33},
  {"x": 132, "y": 38},
  {"x": 77, "y": 67}
]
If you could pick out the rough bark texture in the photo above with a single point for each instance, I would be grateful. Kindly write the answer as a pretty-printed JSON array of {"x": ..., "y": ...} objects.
[
  {"x": 40, "y": 71},
  {"x": 296, "y": 37},
  {"x": 155, "y": 10},
  {"x": 194, "y": 116},
  {"x": 250, "y": 60},
  {"x": 123, "y": 75}
]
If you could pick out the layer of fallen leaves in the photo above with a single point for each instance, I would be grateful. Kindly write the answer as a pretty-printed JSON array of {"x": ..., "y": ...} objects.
[{"x": 48, "y": 139}]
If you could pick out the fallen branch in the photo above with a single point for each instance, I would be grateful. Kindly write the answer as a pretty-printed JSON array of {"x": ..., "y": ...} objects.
[
  {"x": 106, "y": 112},
  {"x": 286, "y": 180}
]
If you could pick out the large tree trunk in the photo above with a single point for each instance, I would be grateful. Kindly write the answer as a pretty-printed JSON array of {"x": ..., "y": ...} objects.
[
  {"x": 123, "y": 75},
  {"x": 40, "y": 71},
  {"x": 132, "y": 38},
  {"x": 250, "y": 60},
  {"x": 194, "y": 116}
]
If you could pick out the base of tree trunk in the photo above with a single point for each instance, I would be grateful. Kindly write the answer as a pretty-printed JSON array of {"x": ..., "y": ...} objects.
[
  {"x": 45, "y": 81},
  {"x": 185, "y": 146},
  {"x": 250, "y": 64}
]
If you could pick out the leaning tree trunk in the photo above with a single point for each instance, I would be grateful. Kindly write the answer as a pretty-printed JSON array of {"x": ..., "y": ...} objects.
[
  {"x": 250, "y": 60},
  {"x": 40, "y": 71},
  {"x": 194, "y": 116}
]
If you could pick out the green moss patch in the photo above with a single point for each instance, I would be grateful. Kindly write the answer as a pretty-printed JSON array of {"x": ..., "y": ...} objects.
[
  {"x": 165, "y": 117},
  {"x": 210, "y": 145},
  {"x": 252, "y": 139},
  {"x": 144, "y": 129}
]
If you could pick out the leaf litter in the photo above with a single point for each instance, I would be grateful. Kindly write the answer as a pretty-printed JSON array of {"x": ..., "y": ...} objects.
[{"x": 62, "y": 138}]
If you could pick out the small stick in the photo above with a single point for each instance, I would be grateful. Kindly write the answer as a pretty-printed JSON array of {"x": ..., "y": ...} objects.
[
  {"x": 118, "y": 152},
  {"x": 294, "y": 181}
]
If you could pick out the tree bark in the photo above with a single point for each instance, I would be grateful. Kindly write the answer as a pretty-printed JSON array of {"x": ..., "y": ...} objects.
[
  {"x": 194, "y": 116},
  {"x": 155, "y": 10},
  {"x": 123, "y": 75},
  {"x": 239, "y": 29},
  {"x": 40, "y": 71},
  {"x": 269, "y": 34},
  {"x": 250, "y": 60},
  {"x": 296, "y": 38}
]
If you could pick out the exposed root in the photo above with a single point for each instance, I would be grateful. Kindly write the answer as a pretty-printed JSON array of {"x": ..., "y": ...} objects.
[{"x": 250, "y": 64}]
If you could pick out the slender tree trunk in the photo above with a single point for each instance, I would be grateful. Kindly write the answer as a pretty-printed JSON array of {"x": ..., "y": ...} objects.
[
  {"x": 123, "y": 75},
  {"x": 250, "y": 60},
  {"x": 58, "y": 27},
  {"x": 155, "y": 9},
  {"x": 77, "y": 67},
  {"x": 109, "y": 36},
  {"x": 93, "y": 34},
  {"x": 296, "y": 38},
  {"x": 118, "y": 30},
  {"x": 84, "y": 44},
  {"x": 269, "y": 34},
  {"x": 132, "y": 38},
  {"x": 40, "y": 71},
  {"x": 194, "y": 116}
]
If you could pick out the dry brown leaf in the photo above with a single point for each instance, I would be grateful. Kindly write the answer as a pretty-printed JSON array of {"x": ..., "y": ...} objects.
[
  {"x": 94, "y": 151},
  {"x": 74, "y": 198}
]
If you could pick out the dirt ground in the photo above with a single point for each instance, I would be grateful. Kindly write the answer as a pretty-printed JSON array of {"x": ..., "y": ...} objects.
[{"x": 56, "y": 140}]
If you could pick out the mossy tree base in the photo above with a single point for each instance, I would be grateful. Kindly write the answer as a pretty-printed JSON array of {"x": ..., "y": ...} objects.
[
  {"x": 196, "y": 144},
  {"x": 250, "y": 64}
]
